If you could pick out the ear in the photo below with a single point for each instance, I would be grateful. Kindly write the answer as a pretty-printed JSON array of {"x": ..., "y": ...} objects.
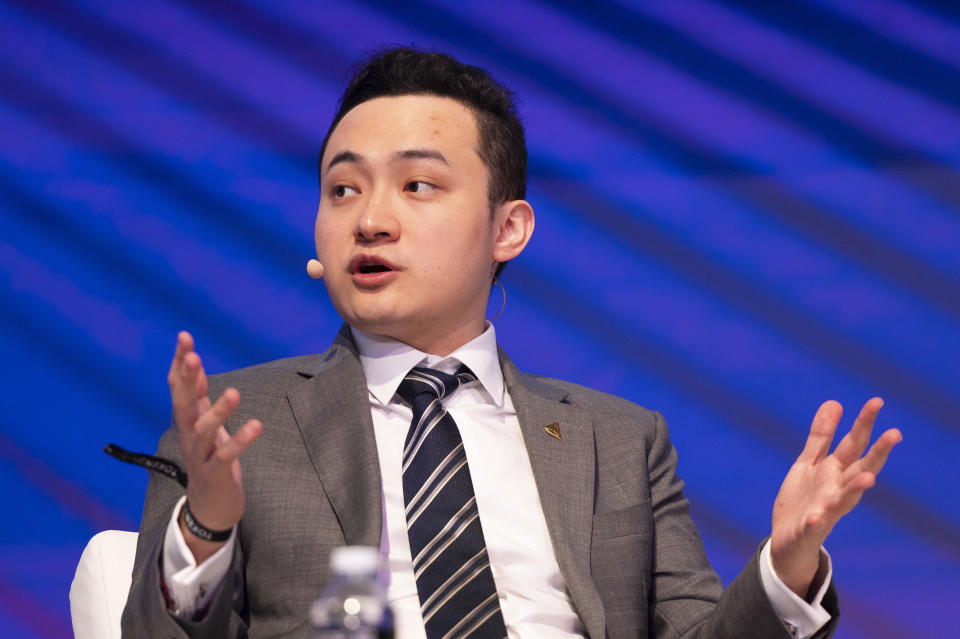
[{"x": 513, "y": 225}]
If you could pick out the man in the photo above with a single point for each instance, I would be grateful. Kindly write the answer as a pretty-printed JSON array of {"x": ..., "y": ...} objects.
[{"x": 585, "y": 530}]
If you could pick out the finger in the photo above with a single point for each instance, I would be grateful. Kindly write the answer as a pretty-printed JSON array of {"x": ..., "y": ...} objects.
[
  {"x": 858, "y": 483},
  {"x": 845, "y": 499},
  {"x": 180, "y": 382},
  {"x": 202, "y": 391},
  {"x": 855, "y": 442},
  {"x": 880, "y": 451},
  {"x": 233, "y": 447},
  {"x": 851, "y": 493},
  {"x": 815, "y": 520},
  {"x": 184, "y": 346},
  {"x": 821, "y": 432},
  {"x": 876, "y": 457},
  {"x": 183, "y": 391},
  {"x": 184, "y": 361},
  {"x": 212, "y": 421}
]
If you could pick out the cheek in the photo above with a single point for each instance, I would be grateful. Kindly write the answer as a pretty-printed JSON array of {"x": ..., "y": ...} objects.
[
  {"x": 319, "y": 232},
  {"x": 471, "y": 235},
  {"x": 325, "y": 234},
  {"x": 458, "y": 249},
  {"x": 461, "y": 260}
]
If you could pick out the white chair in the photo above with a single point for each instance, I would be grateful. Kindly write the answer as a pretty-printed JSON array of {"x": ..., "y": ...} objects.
[{"x": 99, "y": 589}]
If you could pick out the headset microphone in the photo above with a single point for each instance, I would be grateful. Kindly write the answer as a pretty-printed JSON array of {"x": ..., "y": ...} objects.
[{"x": 314, "y": 269}]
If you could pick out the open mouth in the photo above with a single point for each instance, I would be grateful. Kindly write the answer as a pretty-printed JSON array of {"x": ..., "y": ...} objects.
[{"x": 370, "y": 265}]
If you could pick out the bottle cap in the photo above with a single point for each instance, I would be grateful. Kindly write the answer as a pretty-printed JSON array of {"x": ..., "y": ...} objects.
[{"x": 355, "y": 560}]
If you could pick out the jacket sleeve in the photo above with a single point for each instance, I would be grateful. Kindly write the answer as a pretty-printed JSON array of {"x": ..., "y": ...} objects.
[
  {"x": 683, "y": 598},
  {"x": 146, "y": 615}
]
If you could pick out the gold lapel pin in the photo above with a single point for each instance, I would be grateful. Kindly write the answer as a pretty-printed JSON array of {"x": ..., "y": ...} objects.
[{"x": 553, "y": 430}]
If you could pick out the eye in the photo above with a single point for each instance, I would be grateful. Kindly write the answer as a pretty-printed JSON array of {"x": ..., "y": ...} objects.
[
  {"x": 419, "y": 186},
  {"x": 342, "y": 190}
]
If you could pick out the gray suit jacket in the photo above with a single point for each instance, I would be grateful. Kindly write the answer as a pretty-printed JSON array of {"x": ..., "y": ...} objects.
[{"x": 632, "y": 559}]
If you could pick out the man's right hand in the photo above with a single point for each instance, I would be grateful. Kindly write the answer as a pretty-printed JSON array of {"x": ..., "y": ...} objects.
[{"x": 210, "y": 453}]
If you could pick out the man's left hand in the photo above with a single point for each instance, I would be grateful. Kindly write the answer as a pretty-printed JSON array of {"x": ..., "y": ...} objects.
[{"x": 822, "y": 488}]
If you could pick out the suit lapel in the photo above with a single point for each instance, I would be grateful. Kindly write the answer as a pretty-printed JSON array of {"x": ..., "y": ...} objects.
[
  {"x": 564, "y": 470},
  {"x": 332, "y": 411}
]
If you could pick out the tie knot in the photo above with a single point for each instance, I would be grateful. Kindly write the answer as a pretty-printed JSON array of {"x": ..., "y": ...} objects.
[{"x": 427, "y": 381}]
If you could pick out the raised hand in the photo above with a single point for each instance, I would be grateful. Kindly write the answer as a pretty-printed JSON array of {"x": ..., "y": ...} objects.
[
  {"x": 822, "y": 488},
  {"x": 210, "y": 453}
]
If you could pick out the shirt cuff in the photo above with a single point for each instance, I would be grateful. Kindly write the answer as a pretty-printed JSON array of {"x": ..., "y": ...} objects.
[
  {"x": 802, "y": 619},
  {"x": 190, "y": 587}
]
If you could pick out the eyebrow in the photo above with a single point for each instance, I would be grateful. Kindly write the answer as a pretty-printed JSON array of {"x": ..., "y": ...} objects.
[
  {"x": 344, "y": 156},
  {"x": 399, "y": 156},
  {"x": 419, "y": 154}
]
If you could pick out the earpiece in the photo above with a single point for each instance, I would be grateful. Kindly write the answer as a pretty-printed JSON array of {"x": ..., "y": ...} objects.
[{"x": 315, "y": 269}]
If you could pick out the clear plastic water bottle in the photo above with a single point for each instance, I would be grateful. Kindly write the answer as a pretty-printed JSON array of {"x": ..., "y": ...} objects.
[{"x": 354, "y": 604}]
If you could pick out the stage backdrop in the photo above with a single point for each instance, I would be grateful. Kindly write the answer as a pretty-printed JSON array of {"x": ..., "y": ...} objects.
[{"x": 742, "y": 211}]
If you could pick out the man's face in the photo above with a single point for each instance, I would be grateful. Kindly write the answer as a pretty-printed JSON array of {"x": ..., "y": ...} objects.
[{"x": 404, "y": 228}]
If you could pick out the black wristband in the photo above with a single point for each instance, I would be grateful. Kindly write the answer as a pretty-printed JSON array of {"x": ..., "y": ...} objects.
[{"x": 200, "y": 530}]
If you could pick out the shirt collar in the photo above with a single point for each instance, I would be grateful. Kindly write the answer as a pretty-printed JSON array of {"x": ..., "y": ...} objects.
[{"x": 386, "y": 361}]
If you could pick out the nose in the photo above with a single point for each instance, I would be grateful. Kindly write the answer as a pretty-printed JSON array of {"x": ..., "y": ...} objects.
[{"x": 376, "y": 221}]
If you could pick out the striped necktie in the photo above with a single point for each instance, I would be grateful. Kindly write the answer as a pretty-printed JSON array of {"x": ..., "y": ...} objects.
[{"x": 458, "y": 597}]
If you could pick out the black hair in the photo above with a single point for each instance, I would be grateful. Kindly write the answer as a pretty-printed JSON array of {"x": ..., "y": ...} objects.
[{"x": 407, "y": 71}]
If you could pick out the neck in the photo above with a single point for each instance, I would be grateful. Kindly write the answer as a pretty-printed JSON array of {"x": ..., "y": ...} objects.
[{"x": 440, "y": 343}]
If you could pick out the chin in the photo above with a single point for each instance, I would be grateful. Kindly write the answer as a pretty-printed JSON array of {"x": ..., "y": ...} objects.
[
  {"x": 366, "y": 311},
  {"x": 372, "y": 321}
]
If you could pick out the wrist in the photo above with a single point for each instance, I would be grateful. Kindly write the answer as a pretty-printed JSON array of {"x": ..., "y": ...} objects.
[
  {"x": 798, "y": 573},
  {"x": 199, "y": 530},
  {"x": 201, "y": 545}
]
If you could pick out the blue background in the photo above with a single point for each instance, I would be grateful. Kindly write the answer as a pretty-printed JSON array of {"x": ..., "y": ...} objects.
[{"x": 742, "y": 211}]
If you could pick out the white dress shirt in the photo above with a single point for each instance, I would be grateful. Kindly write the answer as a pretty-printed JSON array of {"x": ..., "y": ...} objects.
[{"x": 531, "y": 589}]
